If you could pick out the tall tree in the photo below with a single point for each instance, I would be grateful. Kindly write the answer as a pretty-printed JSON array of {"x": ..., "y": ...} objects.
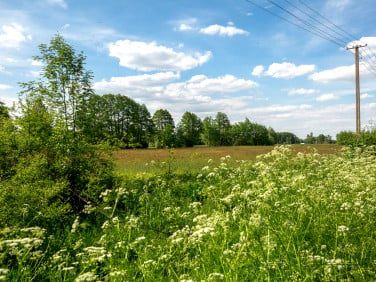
[
  {"x": 190, "y": 128},
  {"x": 64, "y": 87},
  {"x": 224, "y": 127},
  {"x": 65, "y": 83},
  {"x": 164, "y": 129},
  {"x": 210, "y": 134}
]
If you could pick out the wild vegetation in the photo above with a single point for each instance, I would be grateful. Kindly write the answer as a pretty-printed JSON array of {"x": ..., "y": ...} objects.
[{"x": 68, "y": 213}]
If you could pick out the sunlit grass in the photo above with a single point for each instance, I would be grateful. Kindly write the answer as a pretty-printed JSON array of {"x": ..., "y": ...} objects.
[
  {"x": 280, "y": 216},
  {"x": 191, "y": 160}
]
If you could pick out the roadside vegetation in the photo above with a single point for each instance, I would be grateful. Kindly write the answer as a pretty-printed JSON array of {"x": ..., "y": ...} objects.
[{"x": 71, "y": 209}]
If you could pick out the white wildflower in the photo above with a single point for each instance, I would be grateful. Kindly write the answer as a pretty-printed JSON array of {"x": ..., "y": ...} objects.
[
  {"x": 88, "y": 276},
  {"x": 75, "y": 224},
  {"x": 216, "y": 276},
  {"x": 342, "y": 229}
]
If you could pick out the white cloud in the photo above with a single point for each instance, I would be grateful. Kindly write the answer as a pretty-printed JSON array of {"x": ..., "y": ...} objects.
[
  {"x": 185, "y": 27},
  {"x": 343, "y": 73},
  {"x": 195, "y": 94},
  {"x": 186, "y": 24},
  {"x": 202, "y": 85},
  {"x": 327, "y": 97},
  {"x": 13, "y": 35},
  {"x": 35, "y": 63},
  {"x": 60, "y": 3},
  {"x": 283, "y": 70},
  {"x": 152, "y": 57},
  {"x": 138, "y": 84},
  {"x": 366, "y": 96},
  {"x": 301, "y": 91},
  {"x": 258, "y": 70},
  {"x": 5, "y": 87},
  {"x": 228, "y": 30}
]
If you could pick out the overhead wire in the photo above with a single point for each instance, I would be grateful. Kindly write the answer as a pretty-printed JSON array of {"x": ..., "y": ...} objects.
[
  {"x": 293, "y": 23},
  {"x": 328, "y": 31},
  {"x": 368, "y": 60}
]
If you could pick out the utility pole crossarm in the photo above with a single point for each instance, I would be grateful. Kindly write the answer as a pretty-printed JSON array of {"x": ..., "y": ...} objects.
[{"x": 357, "y": 81}]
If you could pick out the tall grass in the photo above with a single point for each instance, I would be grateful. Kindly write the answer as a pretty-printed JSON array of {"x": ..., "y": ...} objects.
[{"x": 281, "y": 217}]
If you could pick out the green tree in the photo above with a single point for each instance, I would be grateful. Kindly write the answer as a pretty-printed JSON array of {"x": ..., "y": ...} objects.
[
  {"x": 287, "y": 138},
  {"x": 164, "y": 129},
  {"x": 224, "y": 129},
  {"x": 4, "y": 111},
  {"x": 248, "y": 133},
  {"x": 346, "y": 138},
  {"x": 65, "y": 84},
  {"x": 190, "y": 128},
  {"x": 210, "y": 134},
  {"x": 63, "y": 88}
]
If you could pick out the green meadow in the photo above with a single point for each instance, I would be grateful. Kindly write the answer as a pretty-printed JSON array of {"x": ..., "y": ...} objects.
[{"x": 281, "y": 213}]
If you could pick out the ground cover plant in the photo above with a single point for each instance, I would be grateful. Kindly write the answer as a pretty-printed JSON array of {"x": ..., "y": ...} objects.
[{"x": 283, "y": 217}]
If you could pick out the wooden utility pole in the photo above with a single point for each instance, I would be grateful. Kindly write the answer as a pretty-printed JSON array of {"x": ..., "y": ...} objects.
[{"x": 357, "y": 81}]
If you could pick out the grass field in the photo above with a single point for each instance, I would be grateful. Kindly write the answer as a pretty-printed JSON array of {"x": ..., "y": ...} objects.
[
  {"x": 280, "y": 216},
  {"x": 183, "y": 160}
]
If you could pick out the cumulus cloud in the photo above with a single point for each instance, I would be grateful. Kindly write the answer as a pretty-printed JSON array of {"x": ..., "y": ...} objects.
[
  {"x": 343, "y": 73},
  {"x": 137, "y": 85},
  {"x": 11, "y": 36},
  {"x": 327, "y": 97},
  {"x": 202, "y": 85},
  {"x": 228, "y": 30},
  {"x": 301, "y": 91},
  {"x": 283, "y": 70},
  {"x": 186, "y": 24},
  {"x": 153, "y": 57}
]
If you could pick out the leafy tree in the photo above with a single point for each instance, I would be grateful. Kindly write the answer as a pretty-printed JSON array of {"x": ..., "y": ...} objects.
[
  {"x": 61, "y": 92},
  {"x": 35, "y": 125},
  {"x": 4, "y": 111},
  {"x": 8, "y": 143},
  {"x": 272, "y": 136},
  {"x": 164, "y": 128},
  {"x": 224, "y": 127},
  {"x": 143, "y": 127},
  {"x": 248, "y": 133},
  {"x": 210, "y": 134},
  {"x": 190, "y": 128},
  {"x": 287, "y": 138},
  {"x": 65, "y": 84}
]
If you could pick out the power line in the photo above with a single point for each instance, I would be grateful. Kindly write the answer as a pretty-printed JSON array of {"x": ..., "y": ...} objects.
[
  {"x": 317, "y": 21},
  {"x": 318, "y": 30},
  {"x": 325, "y": 33},
  {"x": 293, "y": 23},
  {"x": 348, "y": 35}
]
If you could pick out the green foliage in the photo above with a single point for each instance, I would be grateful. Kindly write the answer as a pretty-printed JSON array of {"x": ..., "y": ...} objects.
[
  {"x": 248, "y": 133},
  {"x": 47, "y": 168},
  {"x": 117, "y": 120},
  {"x": 164, "y": 129},
  {"x": 287, "y": 138},
  {"x": 284, "y": 217},
  {"x": 367, "y": 137},
  {"x": 320, "y": 139},
  {"x": 189, "y": 130}
]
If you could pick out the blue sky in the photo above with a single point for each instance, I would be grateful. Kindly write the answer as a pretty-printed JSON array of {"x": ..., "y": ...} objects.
[{"x": 208, "y": 56}]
